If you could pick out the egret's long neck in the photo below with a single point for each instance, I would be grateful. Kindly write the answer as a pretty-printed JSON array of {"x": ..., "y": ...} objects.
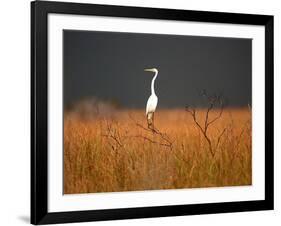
[{"x": 152, "y": 83}]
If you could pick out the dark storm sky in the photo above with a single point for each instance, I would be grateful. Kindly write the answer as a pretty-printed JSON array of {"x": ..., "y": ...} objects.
[{"x": 110, "y": 66}]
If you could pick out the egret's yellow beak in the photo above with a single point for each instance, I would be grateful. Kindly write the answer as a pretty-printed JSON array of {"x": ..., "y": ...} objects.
[{"x": 149, "y": 69}]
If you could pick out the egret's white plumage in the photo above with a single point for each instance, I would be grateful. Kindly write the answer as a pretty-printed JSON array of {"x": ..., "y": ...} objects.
[
  {"x": 151, "y": 104},
  {"x": 152, "y": 100}
]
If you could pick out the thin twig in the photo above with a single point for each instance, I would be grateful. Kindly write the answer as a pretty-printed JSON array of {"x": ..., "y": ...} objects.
[{"x": 150, "y": 140}]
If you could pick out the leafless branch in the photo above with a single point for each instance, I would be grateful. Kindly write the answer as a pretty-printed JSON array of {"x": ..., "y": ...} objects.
[
  {"x": 150, "y": 140},
  {"x": 114, "y": 135},
  {"x": 153, "y": 131},
  {"x": 213, "y": 101}
]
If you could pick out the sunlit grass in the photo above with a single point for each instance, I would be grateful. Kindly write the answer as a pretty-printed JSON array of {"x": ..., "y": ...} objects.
[{"x": 111, "y": 153}]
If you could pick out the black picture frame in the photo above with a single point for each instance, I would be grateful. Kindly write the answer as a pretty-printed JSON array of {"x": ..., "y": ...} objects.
[{"x": 39, "y": 112}]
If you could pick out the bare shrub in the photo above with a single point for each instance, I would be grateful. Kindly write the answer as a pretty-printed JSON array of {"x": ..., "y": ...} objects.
[{"x": 213, "y": 101}]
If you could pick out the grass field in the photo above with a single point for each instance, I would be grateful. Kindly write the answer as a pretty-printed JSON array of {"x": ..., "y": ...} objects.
[{"x": 119, "y": 153}]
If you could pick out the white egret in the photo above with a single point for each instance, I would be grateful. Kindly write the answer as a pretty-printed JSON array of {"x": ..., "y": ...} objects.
[{"x": 152, "y": 101}]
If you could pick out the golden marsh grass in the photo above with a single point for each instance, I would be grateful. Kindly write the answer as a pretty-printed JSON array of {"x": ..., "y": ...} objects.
[{"x": 117, "y": 153}]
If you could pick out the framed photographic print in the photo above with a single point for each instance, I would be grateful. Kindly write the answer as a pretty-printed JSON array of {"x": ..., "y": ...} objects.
[{"x": 144, "y": 112}]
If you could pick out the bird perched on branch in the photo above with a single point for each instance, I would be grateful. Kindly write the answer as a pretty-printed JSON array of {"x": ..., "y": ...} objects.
[{"x": 152, "y": 101}]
